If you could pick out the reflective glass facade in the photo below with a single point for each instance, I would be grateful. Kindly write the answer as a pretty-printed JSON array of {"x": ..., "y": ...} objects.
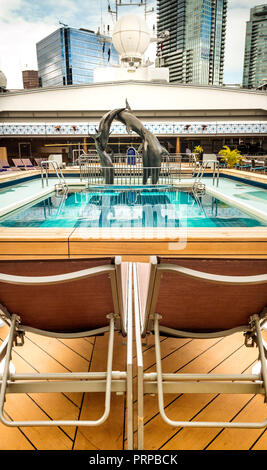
[
  {"x": 255, "y": 60},
  {"x": 68, "y": 56},
  {"x": 194, "y": 52}
]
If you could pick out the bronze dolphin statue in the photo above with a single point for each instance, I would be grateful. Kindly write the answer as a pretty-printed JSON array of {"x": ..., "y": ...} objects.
[
  {"x": 105, "y": 159},
  {"x": 104, "y": 126},
  {"x": 152, "y": 149}
]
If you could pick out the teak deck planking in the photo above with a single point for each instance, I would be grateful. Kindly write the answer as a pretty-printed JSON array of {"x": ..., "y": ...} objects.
[
  {"x": 181, "y": 355},
  {"x": 19, "y": 243}
]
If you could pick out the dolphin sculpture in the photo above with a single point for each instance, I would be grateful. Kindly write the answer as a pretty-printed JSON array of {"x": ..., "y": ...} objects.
[
  {"x": 101, "y": 140},
  {"x": 104, "y": 126},
  {"x": 153, "y": 151},
  {"x": 105, "y": 159}
]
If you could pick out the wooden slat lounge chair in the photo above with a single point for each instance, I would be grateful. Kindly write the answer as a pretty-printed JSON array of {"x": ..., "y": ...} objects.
[
  {"x": 67, "y": 299},
  {"x": 199, "y": 298}
]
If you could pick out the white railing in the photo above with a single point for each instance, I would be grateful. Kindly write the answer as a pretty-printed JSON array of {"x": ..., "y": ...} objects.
[
  {"x": 129, "y": 169},
  {"x": 46, "y": 165}
]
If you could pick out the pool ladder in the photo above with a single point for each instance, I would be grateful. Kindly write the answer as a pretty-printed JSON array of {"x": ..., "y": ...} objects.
[
  {"x": 61, "y": 185},
  {"x": 199, "y": 187}
]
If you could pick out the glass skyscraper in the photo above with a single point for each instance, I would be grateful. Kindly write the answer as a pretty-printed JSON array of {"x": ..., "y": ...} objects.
[
  {"x": 255, "y": 60},
  {"x": 194, "y": 51},
  {"x": 68, "y": 56}
]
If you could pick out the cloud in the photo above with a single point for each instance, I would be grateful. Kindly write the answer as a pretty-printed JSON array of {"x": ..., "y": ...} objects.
[
  {"x": 243, "y": 4},
  {"x": 18, "y": 48},
  {"x": 7, "y": 8},
  {"x": 23, "y": 23}
]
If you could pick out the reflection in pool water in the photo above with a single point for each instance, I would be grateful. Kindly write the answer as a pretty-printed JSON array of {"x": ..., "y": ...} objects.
[{"x": 130, "y": 208}]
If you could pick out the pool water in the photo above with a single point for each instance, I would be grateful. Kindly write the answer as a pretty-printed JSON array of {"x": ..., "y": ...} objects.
[
  {"x": 124, "y": 207},
  {"x": 248, "y": 194}
]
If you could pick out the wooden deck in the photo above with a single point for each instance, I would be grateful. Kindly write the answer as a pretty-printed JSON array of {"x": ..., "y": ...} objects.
[
  {"x": 217, "y": 355},
  {"x": 28, "y": 242}
]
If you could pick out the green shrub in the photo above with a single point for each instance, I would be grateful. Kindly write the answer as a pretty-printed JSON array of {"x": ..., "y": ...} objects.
[
  {"x": 231, "y": 157},
  {"x": 198, "y": 150}
]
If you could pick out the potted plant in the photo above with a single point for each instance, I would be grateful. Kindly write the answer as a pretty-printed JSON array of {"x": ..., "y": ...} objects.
[
  {"x": 231, "y": 157},
  {"x": 198, "y": 151}
]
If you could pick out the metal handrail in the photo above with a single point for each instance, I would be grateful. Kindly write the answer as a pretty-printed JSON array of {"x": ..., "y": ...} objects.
[
  {"x": 130, "y": 167},
  {"x": 45, "y": 165},
  {"x": 126, "y": 174},
  {"x": 201, "y": 170}
]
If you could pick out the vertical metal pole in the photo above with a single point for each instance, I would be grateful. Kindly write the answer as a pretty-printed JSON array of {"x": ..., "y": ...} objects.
[
  {"x": 42, "y": 175},
  {"x": 46, "y": 173},
  {"x": 130, "y": 361},
  {"x": 140, "y": 367},
  {"x": 158, "y": 364},
  {"x": 262, "y": 355},
  {"x": 7, "y": 362}
]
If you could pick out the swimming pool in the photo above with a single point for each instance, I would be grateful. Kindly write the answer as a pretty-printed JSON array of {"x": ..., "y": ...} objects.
[{"x": 128, "y": 207}]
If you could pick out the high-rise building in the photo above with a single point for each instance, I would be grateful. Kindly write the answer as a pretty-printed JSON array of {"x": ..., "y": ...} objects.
[
  {"x": 194, "y": 51},
  {"x": 255, "y": 60},
  {"x": 30, "y": 79},
  {"x": 69, "y": 55}
]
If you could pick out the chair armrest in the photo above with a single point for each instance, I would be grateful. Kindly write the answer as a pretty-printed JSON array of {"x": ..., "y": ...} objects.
[
  {"x": 214, "y": 278},
  {"x": 55, "y": 279}
]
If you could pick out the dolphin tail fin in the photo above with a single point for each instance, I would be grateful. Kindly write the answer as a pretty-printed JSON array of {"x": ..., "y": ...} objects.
[
  {"x": 96, "y": 135},
  {"x": 140, "y": 148},
  {"x": 127, "y": 105}
]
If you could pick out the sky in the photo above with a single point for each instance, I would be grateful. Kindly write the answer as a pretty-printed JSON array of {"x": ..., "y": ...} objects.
[{"x": 25, "y": 22}]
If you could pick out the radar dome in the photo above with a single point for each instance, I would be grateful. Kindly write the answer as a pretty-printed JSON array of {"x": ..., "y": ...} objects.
[
  {"x": 131, "y": 37},
  {"x": 3, "y": 80}
]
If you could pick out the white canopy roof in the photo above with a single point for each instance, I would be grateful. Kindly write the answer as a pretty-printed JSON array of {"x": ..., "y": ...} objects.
[{"x": 154, "y": 99}]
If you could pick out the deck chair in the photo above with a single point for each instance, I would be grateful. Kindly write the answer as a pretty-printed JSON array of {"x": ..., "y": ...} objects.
[
  {"x": 38, "y": 161},
  {"x": 4, "y": 166},
  {"x": 199, "y": 298},
  {"x": 257, "y": 165},
  {"x": 28, "y": 164},
  {"x": 67, "y": 299},
  {"x": 18, "y": 163}
]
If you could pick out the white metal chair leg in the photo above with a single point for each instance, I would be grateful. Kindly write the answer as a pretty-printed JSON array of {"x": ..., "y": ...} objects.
[
  {"x": 5, "y": 377},
  {"x": 140, "y": 369},
  {"x": 130, "y": 444},
  {"x": 194, "y": 424}
]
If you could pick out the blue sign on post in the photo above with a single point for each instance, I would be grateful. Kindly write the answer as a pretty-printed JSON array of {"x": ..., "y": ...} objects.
[{"x": 131, "y": 154}]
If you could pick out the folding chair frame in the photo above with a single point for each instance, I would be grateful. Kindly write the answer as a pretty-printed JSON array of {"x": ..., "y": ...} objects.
[
  {"x": 108, "y": 382},
  {"x": 160, "y": 383}
]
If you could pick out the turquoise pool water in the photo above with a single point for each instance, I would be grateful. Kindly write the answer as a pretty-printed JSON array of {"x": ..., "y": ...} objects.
[
  {"x": 124, "y": 207},
  {"x": 248, "y": 194}
]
